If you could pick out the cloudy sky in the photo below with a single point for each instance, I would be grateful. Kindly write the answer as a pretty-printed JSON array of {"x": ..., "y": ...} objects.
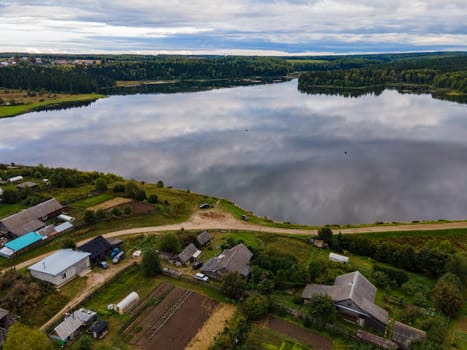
[{"x": 232, "y": 26}]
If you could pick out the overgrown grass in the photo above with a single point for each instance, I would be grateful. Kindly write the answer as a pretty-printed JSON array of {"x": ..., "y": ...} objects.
[
  {"x": 457, "y": 237},
  {"x": 54, "y": 302}
]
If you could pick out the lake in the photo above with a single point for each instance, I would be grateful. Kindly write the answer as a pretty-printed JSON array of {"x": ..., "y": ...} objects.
[{"x": 312, "y": 159}]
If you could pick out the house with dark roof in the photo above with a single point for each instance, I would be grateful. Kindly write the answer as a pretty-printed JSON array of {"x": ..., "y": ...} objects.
[
  {"x": 403, "y": 335},
  {"x": 61, "y": 267},
  {"x": 188, "y": 254},
  {"x": 354, "y": 298},
  {"x": 235, "y": 259},
  {"x": 31, "y": 219},
  {"x": 98, "y": 247},
  {"x": 203, "y": 239},
  {"x": 98, "y": 329}
]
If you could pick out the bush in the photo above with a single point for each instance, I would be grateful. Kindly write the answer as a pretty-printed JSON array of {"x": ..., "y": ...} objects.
[
  {"x": 256, "y": 306},
  {"x": 169, "y": 242},
  {"x": 116, "y": 211},
  {"x": 233, "y": 285},
  {"x": 127, "y": 210},
  {"x": 89, "y": 217},
  {"x": 399, "y": 276},
  {"x": 153, "y": 199},
  {"x": 101, "y": 184},
  {"x": 151, "y": 263},
  {"x": 118, "y": 188}
]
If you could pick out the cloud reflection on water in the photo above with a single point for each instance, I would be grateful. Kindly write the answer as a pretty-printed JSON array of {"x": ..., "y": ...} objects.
[{"x": 269, "y": 148}]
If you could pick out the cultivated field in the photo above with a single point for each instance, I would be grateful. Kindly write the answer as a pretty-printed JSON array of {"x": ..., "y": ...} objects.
[
  {"x": 176, "y": 317},
  {"x": 304, "y": 336}
]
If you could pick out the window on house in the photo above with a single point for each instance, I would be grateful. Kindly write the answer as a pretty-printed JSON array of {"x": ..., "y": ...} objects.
[{"x": 64, "y": 275}]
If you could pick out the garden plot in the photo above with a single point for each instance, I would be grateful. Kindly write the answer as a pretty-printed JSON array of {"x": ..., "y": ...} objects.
[{"x": 175, "y": 318}]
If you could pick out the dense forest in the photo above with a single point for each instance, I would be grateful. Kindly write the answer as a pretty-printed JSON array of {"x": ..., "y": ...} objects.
[
  {"x": 436, "y": 72},
  {"x": 96, "y": 77}
]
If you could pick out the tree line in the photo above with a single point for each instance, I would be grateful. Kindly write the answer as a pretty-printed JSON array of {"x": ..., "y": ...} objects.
[
  {"x": 94, "y": 78},
  {"x": 443, "y": 72}
]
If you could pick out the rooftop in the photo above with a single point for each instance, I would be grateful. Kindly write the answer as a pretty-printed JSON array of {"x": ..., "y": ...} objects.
[
  {"x": 24, "y": 241},
  {"x": 56, "y": 263}
]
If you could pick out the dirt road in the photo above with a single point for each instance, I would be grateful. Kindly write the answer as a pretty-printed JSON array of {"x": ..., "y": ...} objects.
[{"x": 214, "y": 219}]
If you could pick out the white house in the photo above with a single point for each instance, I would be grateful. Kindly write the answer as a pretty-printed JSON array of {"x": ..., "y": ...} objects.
[{"x": 61, "y": 267}]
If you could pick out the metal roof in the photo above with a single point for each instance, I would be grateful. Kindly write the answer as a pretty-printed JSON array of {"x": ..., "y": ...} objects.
[
  {"x": 24, "y": 241},
  {"x": 29, "y": 220},
  {"x": 353, "y": 286},
  {"x": 235, "y": 259},
  {"x": 60, "y": 261},
  {"x": 68, "y": 327}
]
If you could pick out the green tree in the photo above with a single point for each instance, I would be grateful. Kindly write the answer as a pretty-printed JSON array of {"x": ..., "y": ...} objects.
[
  {"x": 83, "y": 343},
  {"x": 314, "y": 269},
  {"x": 69, "y": 244},
  {"x": 325, "y": 234},
  {"x": 151, "y": 263},
  {"x": 321, "y": 310},
  {"x": 169, "y": 242},
  {"x": 116, "y": 211},
  {"x": 256, "y": 306},
  {"x": 10, "y": 196},
  {"x": 140, "y": 195},
  {"x": 127, "y": 210},
  {"x": 457, "y": 264},
  {"x": 89, "y": 217},
  {"x": 448, "y": 295},
  {"x": 160, "y": 184},
  {"x": 101, "y": 184},
  {"x": 21, "y": 337},
  {"x": 233, "y": 285},
  {"x": 153, "y": 199},
  {"x": 100, "y": 214}
]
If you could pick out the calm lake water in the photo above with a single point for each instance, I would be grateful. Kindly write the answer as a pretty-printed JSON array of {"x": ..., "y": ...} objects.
[{"x": 312, "y": 159}]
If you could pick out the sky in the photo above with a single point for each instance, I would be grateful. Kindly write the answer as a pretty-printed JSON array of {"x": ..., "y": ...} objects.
[{"x": 244, "y": 27}]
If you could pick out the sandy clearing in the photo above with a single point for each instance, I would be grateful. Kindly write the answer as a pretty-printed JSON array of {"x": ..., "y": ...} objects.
[
  {"x": 111, "y": 203},
  {"x": 212, "y": 327}
]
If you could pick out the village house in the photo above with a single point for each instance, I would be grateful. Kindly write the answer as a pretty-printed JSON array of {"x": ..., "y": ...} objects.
[
  {"x": 31, "y": 219},
  {"x": 98, "y": 247},
  {"x": 189, "y": 254},
  {"x": 354, "y": 298},
  {"x": 235, "y": 259},
  {"x": 61, "y": 267},
  {"x": 70, "y": 327},
  {"x": 203, "y": 239}
]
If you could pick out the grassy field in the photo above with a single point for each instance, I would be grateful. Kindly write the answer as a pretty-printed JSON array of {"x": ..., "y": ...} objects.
[
  {"x": 25, "y": 102},
  {"x": 90, "y": 202}
]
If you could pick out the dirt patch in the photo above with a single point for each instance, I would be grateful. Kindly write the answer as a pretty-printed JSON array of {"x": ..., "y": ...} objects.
[
  {"x": 111, "y": 203},
  {"x": 213, "y": 326},
  {"x": 138, "y": 208},
  {"x": 304, "y": 336},
  {"x": 173, "y": 322},
  {"x": 183, "y": 326}
]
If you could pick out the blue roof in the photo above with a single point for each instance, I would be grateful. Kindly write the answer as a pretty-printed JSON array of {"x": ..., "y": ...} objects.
[{"x": 24, "y": 241}]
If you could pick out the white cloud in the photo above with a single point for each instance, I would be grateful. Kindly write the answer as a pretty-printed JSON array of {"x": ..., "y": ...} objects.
[{"x": 297, "y": 26}]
